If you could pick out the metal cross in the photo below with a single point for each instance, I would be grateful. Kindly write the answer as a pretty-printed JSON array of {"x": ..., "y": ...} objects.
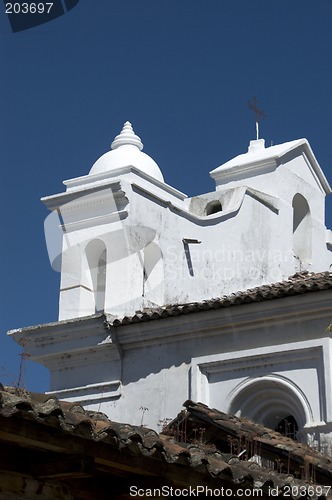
[{"x": 253, "y": 104}]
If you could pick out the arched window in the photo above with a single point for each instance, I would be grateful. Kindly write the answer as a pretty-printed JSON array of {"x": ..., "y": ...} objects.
[
  {"x": 101, "y": 283},
  {"x": 153, "y": 279},
  {"x": 97, "y": 261},
  {"x": 301, "y": 229},
  {"x": 213, "y": 207},
  {"x": 273, "y": 404}
]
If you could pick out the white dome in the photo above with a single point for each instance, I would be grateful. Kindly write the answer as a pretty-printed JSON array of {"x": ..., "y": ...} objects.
[{"x": 127, "y": 151}]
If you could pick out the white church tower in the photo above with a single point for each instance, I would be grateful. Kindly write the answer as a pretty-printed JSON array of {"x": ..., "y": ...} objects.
[
  {"x": 150, "y": 279},
  {"x": 131, "y": 241},
  {"x": 111, "y": 256}
]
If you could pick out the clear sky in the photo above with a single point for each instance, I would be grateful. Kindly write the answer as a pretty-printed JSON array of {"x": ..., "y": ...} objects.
[{"x": 182, "y": 71}]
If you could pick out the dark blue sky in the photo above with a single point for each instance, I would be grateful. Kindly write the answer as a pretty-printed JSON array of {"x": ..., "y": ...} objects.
[{"x": 182, "y": 71}]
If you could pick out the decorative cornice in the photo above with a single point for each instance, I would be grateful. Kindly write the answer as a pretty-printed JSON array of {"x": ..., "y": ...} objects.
[
  {"x": 89, "y": 393},
  {"x": 101, "y": 334}
]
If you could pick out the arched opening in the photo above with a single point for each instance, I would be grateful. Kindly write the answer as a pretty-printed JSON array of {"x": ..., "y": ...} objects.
[
  {"x": 153, "y": 277},
  {"x": 213, "y": 207},
  {"x": 274, "y": 404},
  {"x": 97, "y": 262},
  {"x": 301, "y": 228},
  {"x": 100, "y": 283}
]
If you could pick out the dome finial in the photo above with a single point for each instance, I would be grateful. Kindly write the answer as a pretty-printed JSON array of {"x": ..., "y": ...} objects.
[{"x": 127, "y": 137}]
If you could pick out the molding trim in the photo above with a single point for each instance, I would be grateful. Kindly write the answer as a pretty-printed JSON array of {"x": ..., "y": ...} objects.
[
  {"x": 246, "y": 361},
  {"x": 91, "y": 393}
]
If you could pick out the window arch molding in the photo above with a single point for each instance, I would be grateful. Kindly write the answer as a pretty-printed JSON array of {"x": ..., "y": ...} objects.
[{"x": 268, "y": 400}]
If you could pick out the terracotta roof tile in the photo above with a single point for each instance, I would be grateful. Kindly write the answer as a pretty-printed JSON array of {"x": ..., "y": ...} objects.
[
  {"x": 203, "y": 459},
  {"x": 300, "y": 283},
  {"x": 220, "y": 425}
]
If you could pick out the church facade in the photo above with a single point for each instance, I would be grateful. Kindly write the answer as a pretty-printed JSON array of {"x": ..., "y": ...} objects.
[{"x": 223, "y": 298}]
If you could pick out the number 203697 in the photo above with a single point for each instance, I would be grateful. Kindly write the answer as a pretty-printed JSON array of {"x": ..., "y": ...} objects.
[{"x": 28, "y": 8}]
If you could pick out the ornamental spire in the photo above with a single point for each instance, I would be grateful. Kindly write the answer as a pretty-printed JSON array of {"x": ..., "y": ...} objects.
[
  {"x": 258, "y": 113},
  {"x": 127, "y": 137}
]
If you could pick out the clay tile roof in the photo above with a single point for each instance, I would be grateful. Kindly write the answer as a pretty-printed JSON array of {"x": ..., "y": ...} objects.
[
  {"x": 120, "y": 449},
  {"x": 220, "y": 427},
  {"x": 299, "y": 283}
]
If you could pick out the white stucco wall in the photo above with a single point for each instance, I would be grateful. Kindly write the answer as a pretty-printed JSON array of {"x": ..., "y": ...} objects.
[{"x": 264, "y": 360}]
